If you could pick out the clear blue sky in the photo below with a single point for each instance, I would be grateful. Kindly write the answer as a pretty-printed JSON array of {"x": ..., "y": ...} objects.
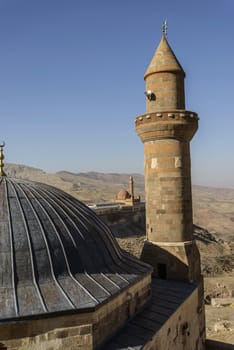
[{"x": 71, "y": 81}]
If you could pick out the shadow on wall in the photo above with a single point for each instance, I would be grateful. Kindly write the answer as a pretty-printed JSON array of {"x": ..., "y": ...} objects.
[{"x": 217, "y": 345}]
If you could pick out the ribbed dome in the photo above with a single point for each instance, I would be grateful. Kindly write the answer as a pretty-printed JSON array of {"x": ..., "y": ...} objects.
[
  {"x": 164, "y": 60},
  {"x": 55, "y": 253}
]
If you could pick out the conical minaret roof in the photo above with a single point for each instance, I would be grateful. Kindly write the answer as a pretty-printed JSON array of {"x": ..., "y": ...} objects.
[{"x": 164, "y": 60}]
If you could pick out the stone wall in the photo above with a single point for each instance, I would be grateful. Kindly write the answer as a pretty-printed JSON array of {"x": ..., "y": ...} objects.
[
  {"x": 185, "y": 329},
  {"x": 110, "y": 316},
  {"x": 123, "y": 214},
  {"x": 64, "y": 332}
]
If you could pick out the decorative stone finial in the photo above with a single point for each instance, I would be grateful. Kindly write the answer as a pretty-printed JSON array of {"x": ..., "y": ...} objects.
[
  {"x": 164, "y": 28},
  {"x": 2, "y": 173}
]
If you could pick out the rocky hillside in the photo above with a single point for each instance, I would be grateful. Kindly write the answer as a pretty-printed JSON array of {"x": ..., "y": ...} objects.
[{"x": 217, "y": 255}]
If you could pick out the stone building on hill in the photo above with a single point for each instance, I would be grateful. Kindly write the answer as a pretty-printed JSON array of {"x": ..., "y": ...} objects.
[
  {"x": 127, "y": 196},
  {"x": 64, "y": 281}
]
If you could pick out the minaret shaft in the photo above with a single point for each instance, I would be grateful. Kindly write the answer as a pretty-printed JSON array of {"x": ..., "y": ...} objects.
[
  {"x": 168, "y": 191},
  {"x": 170, "y": 91}
]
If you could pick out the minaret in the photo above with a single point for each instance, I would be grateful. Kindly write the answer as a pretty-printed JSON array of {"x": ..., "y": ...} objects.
[
  {"x": 166, "y": 130},
  {"x": 131, "y": 189}
]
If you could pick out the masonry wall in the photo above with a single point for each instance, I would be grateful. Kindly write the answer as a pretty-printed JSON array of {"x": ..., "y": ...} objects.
[
  {"x": 185, "y": 329},
  {"x": 109, "y": 317},
  {"x": 65, "y": 332},
  {"x": 128, "y": 214}
]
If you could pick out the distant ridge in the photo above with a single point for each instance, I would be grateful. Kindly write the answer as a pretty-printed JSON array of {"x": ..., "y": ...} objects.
[
  {"x": 213, "y": 207},
  {"x": 111, "y": 177}
]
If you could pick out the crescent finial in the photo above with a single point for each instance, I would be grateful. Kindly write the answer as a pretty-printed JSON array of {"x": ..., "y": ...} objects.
[{"x": 164, "y": 28}]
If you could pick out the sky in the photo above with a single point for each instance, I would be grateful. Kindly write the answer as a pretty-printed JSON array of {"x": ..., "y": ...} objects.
[{"x": 71, "y": 82}]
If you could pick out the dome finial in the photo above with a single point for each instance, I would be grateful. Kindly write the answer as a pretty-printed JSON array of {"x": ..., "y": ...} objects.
[
  {"x": 164, "y": 28},
  {"x": 2, "y": 173}
]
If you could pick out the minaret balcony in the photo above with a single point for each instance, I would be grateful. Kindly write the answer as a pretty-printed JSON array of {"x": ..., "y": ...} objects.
[{"x": 179, "y": 124}]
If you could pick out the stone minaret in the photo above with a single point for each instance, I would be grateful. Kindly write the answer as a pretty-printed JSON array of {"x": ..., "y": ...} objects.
[
  {"x": 131, "y": 188},
  {"x": 166, "y": 130}
]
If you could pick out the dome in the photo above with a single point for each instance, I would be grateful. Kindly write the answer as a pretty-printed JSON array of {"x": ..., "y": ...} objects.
[
  {"x": 123, "y": 195},
  {"x": 56, "y": 255}
]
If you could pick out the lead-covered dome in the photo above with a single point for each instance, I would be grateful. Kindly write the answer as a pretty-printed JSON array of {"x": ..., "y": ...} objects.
[{"x": 55, "y": 253}]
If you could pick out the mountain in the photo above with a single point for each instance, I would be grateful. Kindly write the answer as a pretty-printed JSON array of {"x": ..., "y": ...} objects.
[{"x": 213, "y": 207}]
